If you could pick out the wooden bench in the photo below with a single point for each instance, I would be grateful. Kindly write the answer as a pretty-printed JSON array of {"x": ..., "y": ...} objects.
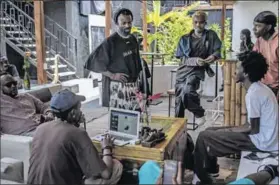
[{"x": 170, "y": 92}]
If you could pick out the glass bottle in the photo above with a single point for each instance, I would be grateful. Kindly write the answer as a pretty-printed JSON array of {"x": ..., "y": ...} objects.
[
  {"x": 26, "y": 66},
  {"x": 26, "y": 81}
]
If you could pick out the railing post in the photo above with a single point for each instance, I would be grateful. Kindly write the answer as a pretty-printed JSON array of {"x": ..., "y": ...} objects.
[{"x": 40, "y": 41}]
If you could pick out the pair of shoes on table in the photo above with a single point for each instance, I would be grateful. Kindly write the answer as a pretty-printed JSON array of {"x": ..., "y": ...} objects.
[
  {"x": 144, "y": 133},
  {"x": 150, "y": 137},
  {"x": 148, "y": 134}
]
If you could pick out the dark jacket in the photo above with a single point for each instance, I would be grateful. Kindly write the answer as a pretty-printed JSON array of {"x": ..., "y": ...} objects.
[
  {"x": 213, "y": 47},
  {"x": 210, "y": 38}
]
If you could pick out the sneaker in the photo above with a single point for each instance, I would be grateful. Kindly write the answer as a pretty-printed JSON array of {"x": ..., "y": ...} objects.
[
  {"x": 199, "y": 91},
  {"x": 200, "y": 121},
  {"x": 214, "y": 172},
  {"x": 214, "y": 175},
  {"x": 195, "y": 180},
  {"x": 272, "y": 169}
]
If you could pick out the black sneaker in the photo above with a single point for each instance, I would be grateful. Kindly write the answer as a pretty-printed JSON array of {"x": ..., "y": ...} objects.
[
  {"x": 214, "y": 172},
  {"x": 272, "y": 169}
]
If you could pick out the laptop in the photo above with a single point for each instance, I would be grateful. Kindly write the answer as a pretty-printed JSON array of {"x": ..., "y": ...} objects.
[{"x": 123, "y": 126}]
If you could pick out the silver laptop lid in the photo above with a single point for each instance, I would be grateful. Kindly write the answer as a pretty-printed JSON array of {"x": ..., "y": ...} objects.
[{"x": 124, "y": 122}]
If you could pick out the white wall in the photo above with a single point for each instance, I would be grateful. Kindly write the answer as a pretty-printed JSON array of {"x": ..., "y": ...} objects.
[
  {"x": 244, "y": 13},
  {"x": 99, "y": 21}
]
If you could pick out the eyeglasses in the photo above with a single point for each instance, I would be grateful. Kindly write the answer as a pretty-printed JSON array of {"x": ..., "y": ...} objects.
[{"x": 9, "y": 85}]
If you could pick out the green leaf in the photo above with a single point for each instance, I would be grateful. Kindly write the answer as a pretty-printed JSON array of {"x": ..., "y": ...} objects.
[{"x": 136, "y": 30}]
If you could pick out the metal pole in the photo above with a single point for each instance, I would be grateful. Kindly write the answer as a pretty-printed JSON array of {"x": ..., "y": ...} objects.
[{"x": 152, "y": 74}]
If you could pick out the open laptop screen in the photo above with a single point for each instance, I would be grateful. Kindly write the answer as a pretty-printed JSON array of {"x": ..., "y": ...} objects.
[{"x": 124, "y": 122}]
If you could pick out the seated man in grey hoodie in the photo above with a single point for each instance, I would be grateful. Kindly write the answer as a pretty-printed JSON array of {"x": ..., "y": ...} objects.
[{"x": 21, "y": 114}]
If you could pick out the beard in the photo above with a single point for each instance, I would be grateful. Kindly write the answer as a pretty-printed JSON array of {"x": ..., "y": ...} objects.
[
  {"x": 13, "y": 93},
  {"x": 125, "y": 31}
]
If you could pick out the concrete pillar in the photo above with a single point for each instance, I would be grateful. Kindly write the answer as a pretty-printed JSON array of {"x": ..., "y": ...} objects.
[
  {"x": 3, "y": 50},
  {"x": 75, "y": 24}
]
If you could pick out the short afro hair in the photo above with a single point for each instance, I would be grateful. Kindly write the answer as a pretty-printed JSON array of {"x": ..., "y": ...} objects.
[
  {"x": 254, "y": 64},
  {"x": 200, "y": 14},
  {"x": 122, "y": 11}
]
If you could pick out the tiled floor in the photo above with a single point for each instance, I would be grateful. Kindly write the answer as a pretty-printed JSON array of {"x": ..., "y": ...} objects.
[{"x": 97, "y": 118}]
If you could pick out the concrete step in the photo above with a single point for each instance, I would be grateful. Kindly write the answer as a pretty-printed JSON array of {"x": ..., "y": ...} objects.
[
  {"x": 59, "y": 66},
  {"x": 15, "y": 32},
  {"x": 5, "y": 18},
  {"x": 63, "y": 74},
  {"x": 50, "y": 59},
  {"x": 35, "y": 52},
  {"x": 27, "y": 45},
  {"x": 23, "y": 38},
  {"x": 9, "y": 25}
]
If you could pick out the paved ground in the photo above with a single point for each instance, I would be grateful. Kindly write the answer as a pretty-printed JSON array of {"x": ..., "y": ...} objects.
[{"x": 97, "y": 118}]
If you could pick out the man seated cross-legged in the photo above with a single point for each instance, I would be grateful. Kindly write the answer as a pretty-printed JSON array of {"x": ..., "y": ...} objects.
[
  {"x": 63, "y": 153},
  {"x": 261, "y": 134}
]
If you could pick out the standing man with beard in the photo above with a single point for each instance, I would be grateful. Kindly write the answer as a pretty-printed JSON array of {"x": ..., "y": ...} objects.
[
  {"x": 118, "y": 59},
  {"x": 267, "y": 44},
  {"x": 196, "y": 50}
]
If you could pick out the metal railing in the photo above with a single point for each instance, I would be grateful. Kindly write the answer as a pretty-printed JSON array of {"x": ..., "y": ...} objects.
[{"x": 57, "y": 39}]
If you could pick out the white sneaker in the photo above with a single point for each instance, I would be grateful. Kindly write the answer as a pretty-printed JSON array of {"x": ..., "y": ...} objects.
[
  {"x": 195, "y": 179},
  {"x": 214, "y": 175},
  {"x": 200, "y": 121}
]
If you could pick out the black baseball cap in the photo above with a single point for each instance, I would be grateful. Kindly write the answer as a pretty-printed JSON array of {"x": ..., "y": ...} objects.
[{"x": 65, "y": 100}]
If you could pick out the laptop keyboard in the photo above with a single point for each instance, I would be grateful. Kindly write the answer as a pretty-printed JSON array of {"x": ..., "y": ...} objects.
[{"x": 121, "y": 138}]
